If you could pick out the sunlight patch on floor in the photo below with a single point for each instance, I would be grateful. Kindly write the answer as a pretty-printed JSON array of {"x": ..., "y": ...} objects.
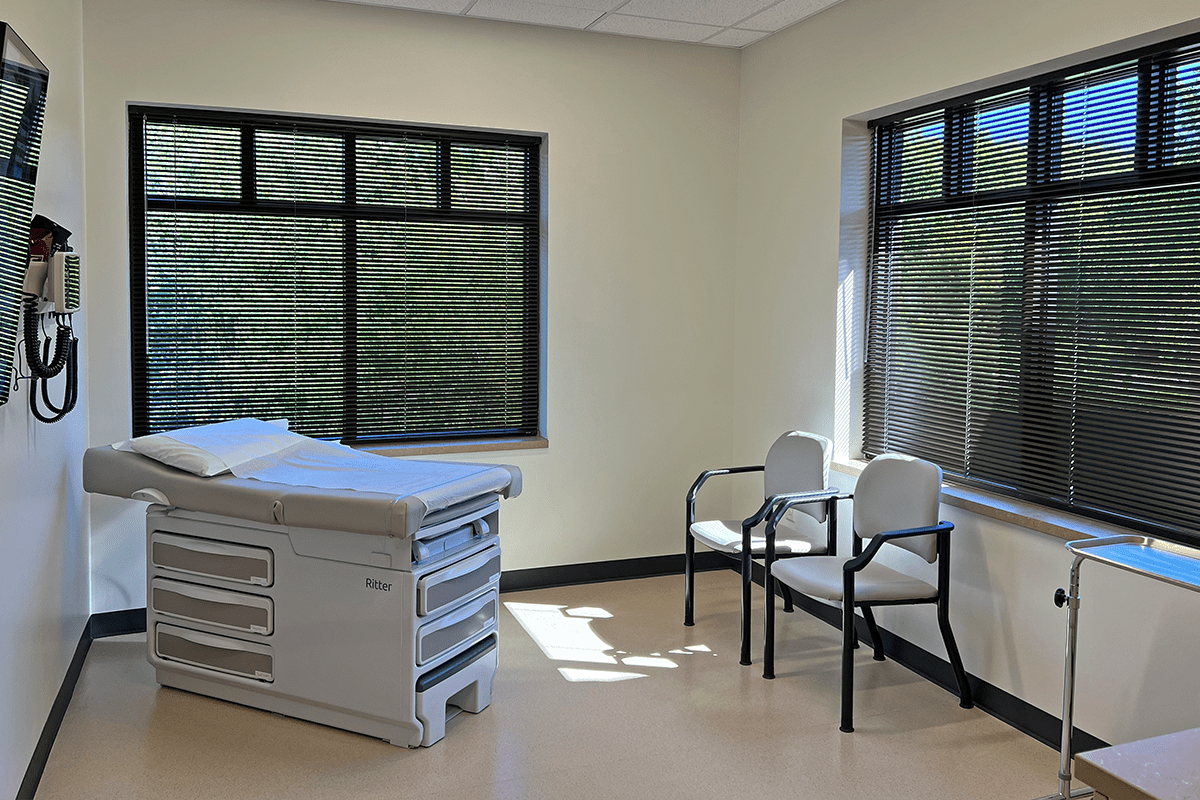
[
  {"x": 597, "y": 675},
  {"x": 565, "y": 634}
]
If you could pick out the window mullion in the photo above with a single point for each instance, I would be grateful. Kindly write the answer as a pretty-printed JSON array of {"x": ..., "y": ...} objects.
[
  {"x": 444, "y": 175},
  {"x": 958, "y": 146},
  {"x": 249, "y": 173},
  {"x": 350, "y": 299}
]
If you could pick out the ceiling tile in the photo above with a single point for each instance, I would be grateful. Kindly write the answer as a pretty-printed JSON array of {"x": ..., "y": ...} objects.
[
  {"x": 598, "y": 5},
  {"x": 441, "y": 6},
  {"x": 559, "y": 16},
  {"x": 785, "y": 13},
  {"x": 702, "y": 12},
  {"x": 734, "y": 37},
  {"x": 653, "y": 28}
]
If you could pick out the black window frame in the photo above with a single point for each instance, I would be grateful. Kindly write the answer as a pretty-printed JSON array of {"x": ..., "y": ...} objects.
[
  {"x": 524, "y": 407},
  {"x": 1045, "y": 440}
]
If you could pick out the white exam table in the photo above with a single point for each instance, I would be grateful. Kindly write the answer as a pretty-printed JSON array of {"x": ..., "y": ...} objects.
[{"x": 362, "y": 610}]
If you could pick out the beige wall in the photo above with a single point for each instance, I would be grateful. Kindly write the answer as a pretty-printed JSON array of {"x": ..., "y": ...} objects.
[
  {"x": 1137, "y": 638},
  {"x": 43, "y": 544},
  {"x": 642, "y": 186}
]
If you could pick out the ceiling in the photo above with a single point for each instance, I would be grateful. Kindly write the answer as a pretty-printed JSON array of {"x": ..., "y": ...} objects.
[{"x": 724, "y": 23}]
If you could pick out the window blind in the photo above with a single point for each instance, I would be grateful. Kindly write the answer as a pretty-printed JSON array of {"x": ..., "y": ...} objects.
[
  {"x": 368, "y": 282},
  {"x": 1033, "y": 321}
]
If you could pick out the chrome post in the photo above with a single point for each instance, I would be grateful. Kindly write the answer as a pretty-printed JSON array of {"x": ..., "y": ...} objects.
[{"x": 1068, "y": 723}]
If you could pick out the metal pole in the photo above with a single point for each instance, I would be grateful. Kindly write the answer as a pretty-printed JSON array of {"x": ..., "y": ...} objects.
[{"x": 1068, "y": 723}]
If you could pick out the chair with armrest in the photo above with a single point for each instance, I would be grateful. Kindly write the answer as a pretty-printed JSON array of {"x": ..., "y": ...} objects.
[
  {"x": 797, "y": 465},
  {"x": 896, "y": 502}
]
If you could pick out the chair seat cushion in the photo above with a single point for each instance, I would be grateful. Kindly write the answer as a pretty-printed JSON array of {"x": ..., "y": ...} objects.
[
  {"x": 822, "y": 578},
  {"x": 726, "y": 536}
]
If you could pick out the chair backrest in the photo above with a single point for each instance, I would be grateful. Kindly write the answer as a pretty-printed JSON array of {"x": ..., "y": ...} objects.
[
  {"x": 896, "y": 492},
  {"x": 798, "y": 462}
]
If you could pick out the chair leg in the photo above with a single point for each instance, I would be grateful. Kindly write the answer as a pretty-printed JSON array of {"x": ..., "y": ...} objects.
[
  {"x": 769, "y": 630},
  {"x": 745, "y": 659},
  {"x": 960, "y": 674},
  {"x": 689, "y": 580},
  {"x": 788, "y": 605},
  {"x": 876, "y": 640},
  {"x": 848, "y": 641}
]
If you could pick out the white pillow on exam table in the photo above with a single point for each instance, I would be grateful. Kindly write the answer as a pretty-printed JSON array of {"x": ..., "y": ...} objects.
[{"x": 208, "y": 450}]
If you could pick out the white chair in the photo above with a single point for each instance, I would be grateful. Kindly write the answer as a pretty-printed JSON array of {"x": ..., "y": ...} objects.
[
  {"x": 896, "y": 502},
  {"x": 796, "y": 468}
]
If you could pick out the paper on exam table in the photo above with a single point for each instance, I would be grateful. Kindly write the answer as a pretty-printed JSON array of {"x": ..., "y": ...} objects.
[{"x": 324, "y": 465}]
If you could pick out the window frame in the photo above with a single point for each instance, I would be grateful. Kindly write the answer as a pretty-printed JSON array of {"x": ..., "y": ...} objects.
[{"x": 531, "y": 219}]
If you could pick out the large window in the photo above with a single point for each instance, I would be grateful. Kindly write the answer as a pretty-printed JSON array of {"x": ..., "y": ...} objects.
[
  {"x": 369, "y": 282},
  {"x": 1034, "y": 298}
]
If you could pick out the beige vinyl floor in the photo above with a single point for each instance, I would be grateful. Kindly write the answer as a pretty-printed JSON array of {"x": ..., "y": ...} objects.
[{"x": 686, "y": 721}]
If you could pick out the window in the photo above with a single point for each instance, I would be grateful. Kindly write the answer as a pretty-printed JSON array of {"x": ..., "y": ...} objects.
[
  {"x": 369, "y": 282},
  {"x": 1033, "y": 320}
]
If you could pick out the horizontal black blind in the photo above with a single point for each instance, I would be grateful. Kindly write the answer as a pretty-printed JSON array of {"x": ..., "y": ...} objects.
[
  {"x": 1034, "y": 301},
  {"x": 368, "y": 282}
]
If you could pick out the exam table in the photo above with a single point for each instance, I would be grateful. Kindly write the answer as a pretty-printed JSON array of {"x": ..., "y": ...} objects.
[{"x": 369, "y": 611}]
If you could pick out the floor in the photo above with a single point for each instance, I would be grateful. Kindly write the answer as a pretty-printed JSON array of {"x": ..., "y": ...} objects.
[{"x": 654, "y": 710}]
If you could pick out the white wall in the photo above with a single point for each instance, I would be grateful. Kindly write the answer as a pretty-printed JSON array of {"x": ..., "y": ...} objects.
[
  {"x": 1138, "y": 643},
  {"x": 642, "y": 187},
  {"x": 43, "y": 546}
]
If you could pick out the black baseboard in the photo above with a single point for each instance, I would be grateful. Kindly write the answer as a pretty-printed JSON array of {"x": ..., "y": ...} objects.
[
  {"x": 41, "y": 751},
  {"x": 118, "y": 623},
  {"x": 602, "y": 571}
]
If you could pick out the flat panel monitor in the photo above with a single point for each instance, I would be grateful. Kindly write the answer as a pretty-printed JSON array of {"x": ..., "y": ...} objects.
[{"x": 23, "y": 80}]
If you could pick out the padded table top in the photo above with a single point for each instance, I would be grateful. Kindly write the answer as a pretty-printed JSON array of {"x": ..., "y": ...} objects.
[{"x": 125, "y": 474}]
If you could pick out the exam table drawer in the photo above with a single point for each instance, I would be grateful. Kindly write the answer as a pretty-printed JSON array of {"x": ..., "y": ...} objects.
[
  {"x": 446, "y": 587},
  {"x": 219, "y": 653},
  {"x": 438, "y": 546},
  {"x": 247, "y": 613},
  {"x": 212, "y": 559},
  {"x": 443, "y": 634}
]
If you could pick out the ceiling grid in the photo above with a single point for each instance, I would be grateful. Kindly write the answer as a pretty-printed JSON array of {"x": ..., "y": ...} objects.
[{"x": 723, "y": 23}]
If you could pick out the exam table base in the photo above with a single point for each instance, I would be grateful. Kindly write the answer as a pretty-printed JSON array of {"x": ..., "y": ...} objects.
[
  {"x": 387, "y": 651},
  {"x": 472, "y": 691}
]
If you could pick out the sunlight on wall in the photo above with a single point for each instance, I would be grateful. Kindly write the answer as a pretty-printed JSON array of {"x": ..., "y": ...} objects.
[
  {"x": 565, "y": 634},
  {"x": 853, "y": 251}
]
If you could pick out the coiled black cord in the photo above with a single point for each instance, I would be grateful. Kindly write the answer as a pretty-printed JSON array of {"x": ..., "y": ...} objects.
[
  {"x": 62, "y": 343},
  {"x": 70, "y": 393}
]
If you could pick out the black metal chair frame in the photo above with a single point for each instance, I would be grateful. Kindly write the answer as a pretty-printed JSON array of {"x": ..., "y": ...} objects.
[
  {"x": 744, "y": 559},
  {"x": 849, "y": 635}
]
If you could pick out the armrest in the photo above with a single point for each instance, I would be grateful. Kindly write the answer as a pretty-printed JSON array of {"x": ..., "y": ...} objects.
[
  {"x": 786, "y": 502},
  {"x": 880, "y": 539},
  {"x": 704, "y": 476}
]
